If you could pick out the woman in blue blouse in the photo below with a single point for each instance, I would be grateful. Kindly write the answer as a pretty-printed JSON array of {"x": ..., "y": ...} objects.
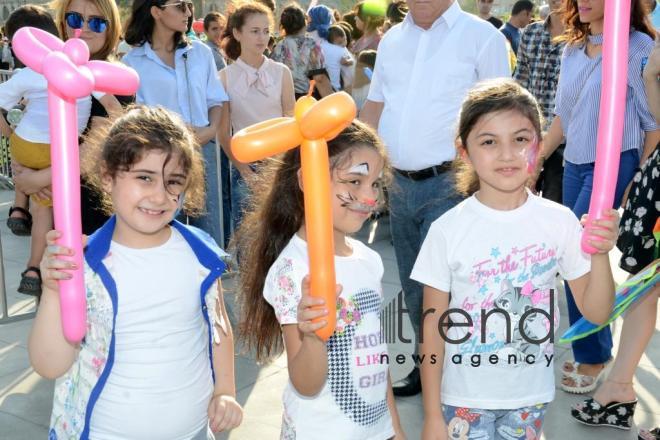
[
  {"x": 179, "y": 75},
  {"x": 576, "y": 109}
]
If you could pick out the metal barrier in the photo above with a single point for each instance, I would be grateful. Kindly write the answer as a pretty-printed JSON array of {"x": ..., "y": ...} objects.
[{"x": 7, "y": 184}]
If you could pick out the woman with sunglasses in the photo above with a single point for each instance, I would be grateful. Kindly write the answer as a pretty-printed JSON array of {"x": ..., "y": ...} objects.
[
  {"x": 99, "y": 25},
  {"x": 180, "y": 75}
]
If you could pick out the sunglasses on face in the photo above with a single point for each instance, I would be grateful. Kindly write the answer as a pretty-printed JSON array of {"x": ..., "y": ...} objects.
[
  {"x": 183, "y": 6},
  {"x": 75, "y": 20}
]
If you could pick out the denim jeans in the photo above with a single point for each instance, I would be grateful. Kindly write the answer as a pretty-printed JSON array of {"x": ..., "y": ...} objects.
[
  {"x": 211, "y": 220},
  {"x": 578, "y": 181},
  {"x": 494, "y": 424},
  {"x": 414, "y": 205}
]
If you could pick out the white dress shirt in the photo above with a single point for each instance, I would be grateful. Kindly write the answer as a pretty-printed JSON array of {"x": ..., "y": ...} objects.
[
  {"x": 190, "y": 89},
  {"x": 422, "y": 77}
]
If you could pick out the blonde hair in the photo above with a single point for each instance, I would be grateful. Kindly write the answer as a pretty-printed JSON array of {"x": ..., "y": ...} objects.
[{"x": 110, "y": 12}]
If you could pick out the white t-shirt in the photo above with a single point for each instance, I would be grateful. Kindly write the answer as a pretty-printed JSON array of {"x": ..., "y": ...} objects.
[
  {"x": 353, "y": 401},
  {"x": 34, "y": 127},
  {"x": 333, "y": 55},
  {"x": 161, "y": 384},
  {"x": 486, "y": 259}
]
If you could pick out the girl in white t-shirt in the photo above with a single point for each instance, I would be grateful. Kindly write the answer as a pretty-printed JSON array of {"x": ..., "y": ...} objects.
[
  {"x": 489, "y": 268},
  {"x": 339, "y": 389},
  {"x": 158, "y": 357}
]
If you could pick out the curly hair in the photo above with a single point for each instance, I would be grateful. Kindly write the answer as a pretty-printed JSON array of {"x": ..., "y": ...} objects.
[
  {"x": 576, "y": 32},
  {"x": 115, "y": 147}
]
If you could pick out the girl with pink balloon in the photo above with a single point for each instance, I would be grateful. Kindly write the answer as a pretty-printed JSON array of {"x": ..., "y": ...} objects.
[
  {"x": 593, "y": 62},
  {"x": 158, "y": 358}
]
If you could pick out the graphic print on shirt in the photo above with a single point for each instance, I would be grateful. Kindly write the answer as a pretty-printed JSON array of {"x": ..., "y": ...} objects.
[
  {"x": 520, "y": 303},
  {"x": 346, "y": 346},
  {"x": 515, "y": 286}
]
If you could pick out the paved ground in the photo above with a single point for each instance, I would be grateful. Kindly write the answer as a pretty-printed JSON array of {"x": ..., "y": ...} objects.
[{"x": 25, "y": 398}]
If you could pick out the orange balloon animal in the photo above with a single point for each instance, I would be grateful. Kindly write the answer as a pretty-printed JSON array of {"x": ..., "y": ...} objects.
[{"x": 314, "y": 124}]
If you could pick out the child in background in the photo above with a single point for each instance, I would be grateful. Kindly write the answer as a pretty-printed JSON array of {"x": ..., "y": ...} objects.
[
  {"x": 158, "y": 357},
  {"x": 491, "y": 263},
  {"x": 339, "y": 389},
  {"x": 364, "y": 69},
  {"x": 30, "y": 142},
  {"x": 337, "y": 57}
]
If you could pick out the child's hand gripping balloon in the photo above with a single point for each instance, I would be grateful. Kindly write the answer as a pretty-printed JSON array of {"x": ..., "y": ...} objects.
[
  {"x": 603, "y": 233},
  {"x": 311, "y": 308},
  {"x": 53, "y": 268}
]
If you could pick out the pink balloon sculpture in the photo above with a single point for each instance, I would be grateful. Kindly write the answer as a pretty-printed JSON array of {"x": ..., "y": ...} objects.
[
  {"x": 70, "y": 75},
  {"x": 611, "y": 112}
]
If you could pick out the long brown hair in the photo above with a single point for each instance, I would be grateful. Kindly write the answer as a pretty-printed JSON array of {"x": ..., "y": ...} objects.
[
  {"x": 575, "y": 32},
  {"x": 485, "y": 98},
  {"x": 275, "y": 214}
]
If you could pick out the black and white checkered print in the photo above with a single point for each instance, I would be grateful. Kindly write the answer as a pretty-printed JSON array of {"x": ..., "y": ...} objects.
[{"x": 340, "y": 348}]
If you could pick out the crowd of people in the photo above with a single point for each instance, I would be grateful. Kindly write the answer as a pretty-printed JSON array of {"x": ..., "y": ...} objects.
[{"x": 477, "y": 136}]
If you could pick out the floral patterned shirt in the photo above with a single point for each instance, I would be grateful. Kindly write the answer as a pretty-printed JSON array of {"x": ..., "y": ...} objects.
[
  {"x": 303, "y": 56},
  {"x": 353, "y": 400}
]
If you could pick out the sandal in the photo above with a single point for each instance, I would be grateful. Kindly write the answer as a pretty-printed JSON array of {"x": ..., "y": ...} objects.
[
  {"x": 645, "y": 434},
  {"x": 30, "y": 285},
  {"x": 21, "y": 226},
  {"x": 581, "y": 383},
  {"x": 615, "y": 415}
]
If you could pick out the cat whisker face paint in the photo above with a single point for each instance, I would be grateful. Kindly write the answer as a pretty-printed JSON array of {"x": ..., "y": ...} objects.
[{"x": 349, "y": 201}]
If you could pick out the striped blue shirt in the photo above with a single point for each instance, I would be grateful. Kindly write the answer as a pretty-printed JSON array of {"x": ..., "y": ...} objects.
[{"x": 578, "y": 99}]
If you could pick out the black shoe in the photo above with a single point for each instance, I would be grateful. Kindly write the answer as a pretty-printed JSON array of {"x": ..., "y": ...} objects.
[
  {"x": 615, "y": 415},
  {"x": 409, "y": 385}
]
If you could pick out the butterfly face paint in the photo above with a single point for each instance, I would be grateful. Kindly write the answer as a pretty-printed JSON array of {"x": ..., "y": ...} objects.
[{"x": 532, "y": 155}]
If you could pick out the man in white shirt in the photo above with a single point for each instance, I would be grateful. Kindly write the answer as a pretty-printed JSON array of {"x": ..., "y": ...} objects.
[{"x": 424, "y": 68}]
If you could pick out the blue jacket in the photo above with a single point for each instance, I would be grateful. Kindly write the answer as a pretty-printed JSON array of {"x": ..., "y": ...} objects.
[{"x": 78, "y": 390}]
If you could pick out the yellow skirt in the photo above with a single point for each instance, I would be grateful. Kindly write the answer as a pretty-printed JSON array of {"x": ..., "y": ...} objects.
[{"x": 31, "y": 155}]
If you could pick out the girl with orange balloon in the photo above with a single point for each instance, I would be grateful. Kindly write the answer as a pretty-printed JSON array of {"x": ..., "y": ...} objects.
[{"x": 343, "y": 381}]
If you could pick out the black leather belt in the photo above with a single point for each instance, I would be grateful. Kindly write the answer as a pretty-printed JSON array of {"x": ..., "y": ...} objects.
[{"x": 435, "y": 170}]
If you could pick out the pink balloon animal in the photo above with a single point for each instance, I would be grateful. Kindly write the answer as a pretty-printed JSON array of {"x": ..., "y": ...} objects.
[
  {"x": 612, "y": 111},
  {"x": 70, "y": 75}
]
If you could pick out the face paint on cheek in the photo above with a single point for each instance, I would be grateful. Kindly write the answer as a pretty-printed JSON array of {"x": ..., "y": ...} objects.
[
  {"x": 349, "y": 201},
  {"x": 180, "y": 200},
  {"x": 532, "y": 154}
]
